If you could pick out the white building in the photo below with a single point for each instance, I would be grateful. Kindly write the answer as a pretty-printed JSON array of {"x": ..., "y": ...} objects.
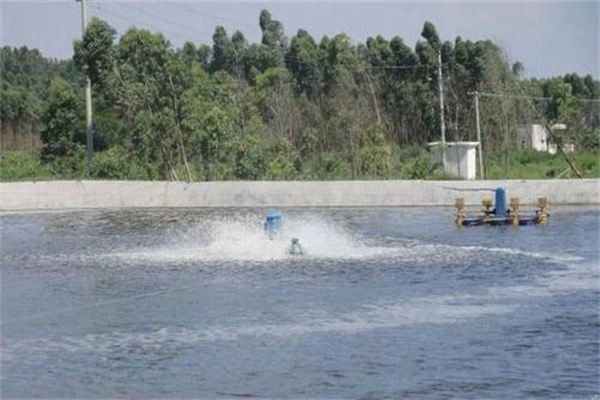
[
  {"x": 461, "y": 158},
  {"x": 535, "y": 136}
]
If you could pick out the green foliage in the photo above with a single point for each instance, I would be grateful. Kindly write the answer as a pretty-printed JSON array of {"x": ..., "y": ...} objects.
[
  {"x": 94, "y": 54},
  {"x": 309, "y": 141},
  {"x": 430, "y": 34},
  {"x": 281, "y": 166},
  {"x": 61, "y": 122},
  {"x": 589, "y": 164},
  {"x": 331, "y": 167},
  {"x": 421, "y": 169},
  {"x": 303, "y": 62},
  {"x": 591, "y": 141},
  {"x": 563, "y": 103},
  {"x": 530, "y": 164},
  {"x": 24, "y": 91},
  {"x": 117, "y": 163},
  {"x": 72, "y": 165},
  {"x": 375, "y": 155},
  {"x": 250, "y": 159},
  {"x": 272, "y": 30},
  {"x": 518, "y": 69},
  {"x": 222, "y": 51},
  {"x": 20, "y": 165},
  {"x": 279, "y": 109},
  {"x": 280, "y": 169},
  {"x": 109, "y": 128},
  {"x": 217, "y": 133}
]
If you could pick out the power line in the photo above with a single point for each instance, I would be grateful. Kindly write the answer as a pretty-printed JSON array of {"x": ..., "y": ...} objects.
[
  {"x": 286, "y": 57},
  {"x": 513, "y": 96},
  {"x": 505, "y": 95},
  {"x": 396, "y": 66},
  {"x": 178, "y": 25},
  {"x": 166, "y": 20},
  {"x": 143, "y": 24},
  {"x": 181, "y": 7}
]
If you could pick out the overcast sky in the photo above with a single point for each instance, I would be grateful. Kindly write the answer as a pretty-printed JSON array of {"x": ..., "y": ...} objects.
[{"x": 549, "y": 38}]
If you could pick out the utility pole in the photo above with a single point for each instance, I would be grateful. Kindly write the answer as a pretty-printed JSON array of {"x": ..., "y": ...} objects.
[
  {"x": 441, "y": 94},
  {"x": 88, "y": 98},
  {"x": 478, "y": 135}
]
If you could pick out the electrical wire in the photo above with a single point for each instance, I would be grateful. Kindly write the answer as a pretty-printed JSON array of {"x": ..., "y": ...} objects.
[
  {"x": 143, "y": 24},
  {"x": 288, "y": 57},
  {"x": 172, "y": 23},
  {"x": 525, "y": 97},
  {"x": 200, "y": 12},
  {"x": 166, "y": 20}
]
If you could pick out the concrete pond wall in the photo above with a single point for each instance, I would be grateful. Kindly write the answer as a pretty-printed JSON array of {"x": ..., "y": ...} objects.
[{"x": 57, "y": 195}]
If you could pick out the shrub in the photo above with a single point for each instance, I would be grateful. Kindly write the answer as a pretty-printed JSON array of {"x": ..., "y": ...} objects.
[
  {"x": 421, "y": 169},
  {"x": 117, "y": 163},
  {"x": 375, "y": 156},
  {"x": 591, "y": 141},
  {"x": 21, "y": 165},
  {"x": 250, "y": 161}
]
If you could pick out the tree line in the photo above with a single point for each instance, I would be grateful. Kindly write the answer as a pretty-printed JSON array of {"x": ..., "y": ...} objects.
[{"x": 284, "y": 108}]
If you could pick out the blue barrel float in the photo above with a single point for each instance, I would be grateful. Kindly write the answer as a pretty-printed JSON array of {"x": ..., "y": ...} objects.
[{"x": 273, "y": 223}]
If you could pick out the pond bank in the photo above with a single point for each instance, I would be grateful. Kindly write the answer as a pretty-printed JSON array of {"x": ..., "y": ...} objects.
[{"x": 53, "y": 195}]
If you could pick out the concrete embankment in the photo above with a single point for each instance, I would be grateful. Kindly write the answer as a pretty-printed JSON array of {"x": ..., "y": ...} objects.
[{"x": 55, "y": 195}]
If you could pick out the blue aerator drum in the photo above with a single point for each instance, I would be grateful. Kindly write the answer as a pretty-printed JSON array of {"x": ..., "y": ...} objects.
[
  {"x": 500, "y": 210},
  {"x": 273, "y": 222}
]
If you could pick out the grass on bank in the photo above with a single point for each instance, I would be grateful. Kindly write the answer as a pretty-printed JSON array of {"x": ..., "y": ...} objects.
[
  {"x": 528, "y": 164},
  {"x": 408, "y": 163}
]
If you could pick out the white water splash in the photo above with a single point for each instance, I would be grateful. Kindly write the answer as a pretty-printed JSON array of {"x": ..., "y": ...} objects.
[
  {"x": 242, "y": 239},
  {"x": 245, "y": 240}
]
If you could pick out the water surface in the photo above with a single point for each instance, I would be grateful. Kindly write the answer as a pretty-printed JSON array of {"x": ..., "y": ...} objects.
[{"x": 388, "y": 303}]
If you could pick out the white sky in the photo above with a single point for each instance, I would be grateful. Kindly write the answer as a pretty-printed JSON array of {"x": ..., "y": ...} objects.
[{"x": 550, "y": 38}]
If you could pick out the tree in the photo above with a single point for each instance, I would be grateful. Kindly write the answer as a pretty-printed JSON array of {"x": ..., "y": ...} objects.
[
  {"x": 272, "y": 30},
  {"x": 189, "y": 53},
  {"x": 221, "y": 51},
  {"x": 303, "y": 62},
  {"x": 61, "y": 122},
  {"x": 203, "y": 55},
  {"x": 375, "y": 155},
  {"x": 430, "y": 34},
  {"x": 94, "y": 54},
  {"x": 518, "y": 69},
  {"x": 273, "y": 38},
  {"x": 250, "y": 159},
  {"x": 24, "y": 92},
  {"x": 332, "y": 108},
  {"x": 215, "y": 139},
  {"x": 562, "y": 110},
  {"x": 563, "y": 103}
]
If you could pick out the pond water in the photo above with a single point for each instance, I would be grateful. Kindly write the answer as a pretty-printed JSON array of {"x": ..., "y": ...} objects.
[{"x": 387, "y": 303}]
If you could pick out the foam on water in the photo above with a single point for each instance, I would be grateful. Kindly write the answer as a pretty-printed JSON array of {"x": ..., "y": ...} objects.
[
  {"x": 243, "y": 239},
  {"x": 445, "y": 309},
  {"x": 437, "y": 310}
]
